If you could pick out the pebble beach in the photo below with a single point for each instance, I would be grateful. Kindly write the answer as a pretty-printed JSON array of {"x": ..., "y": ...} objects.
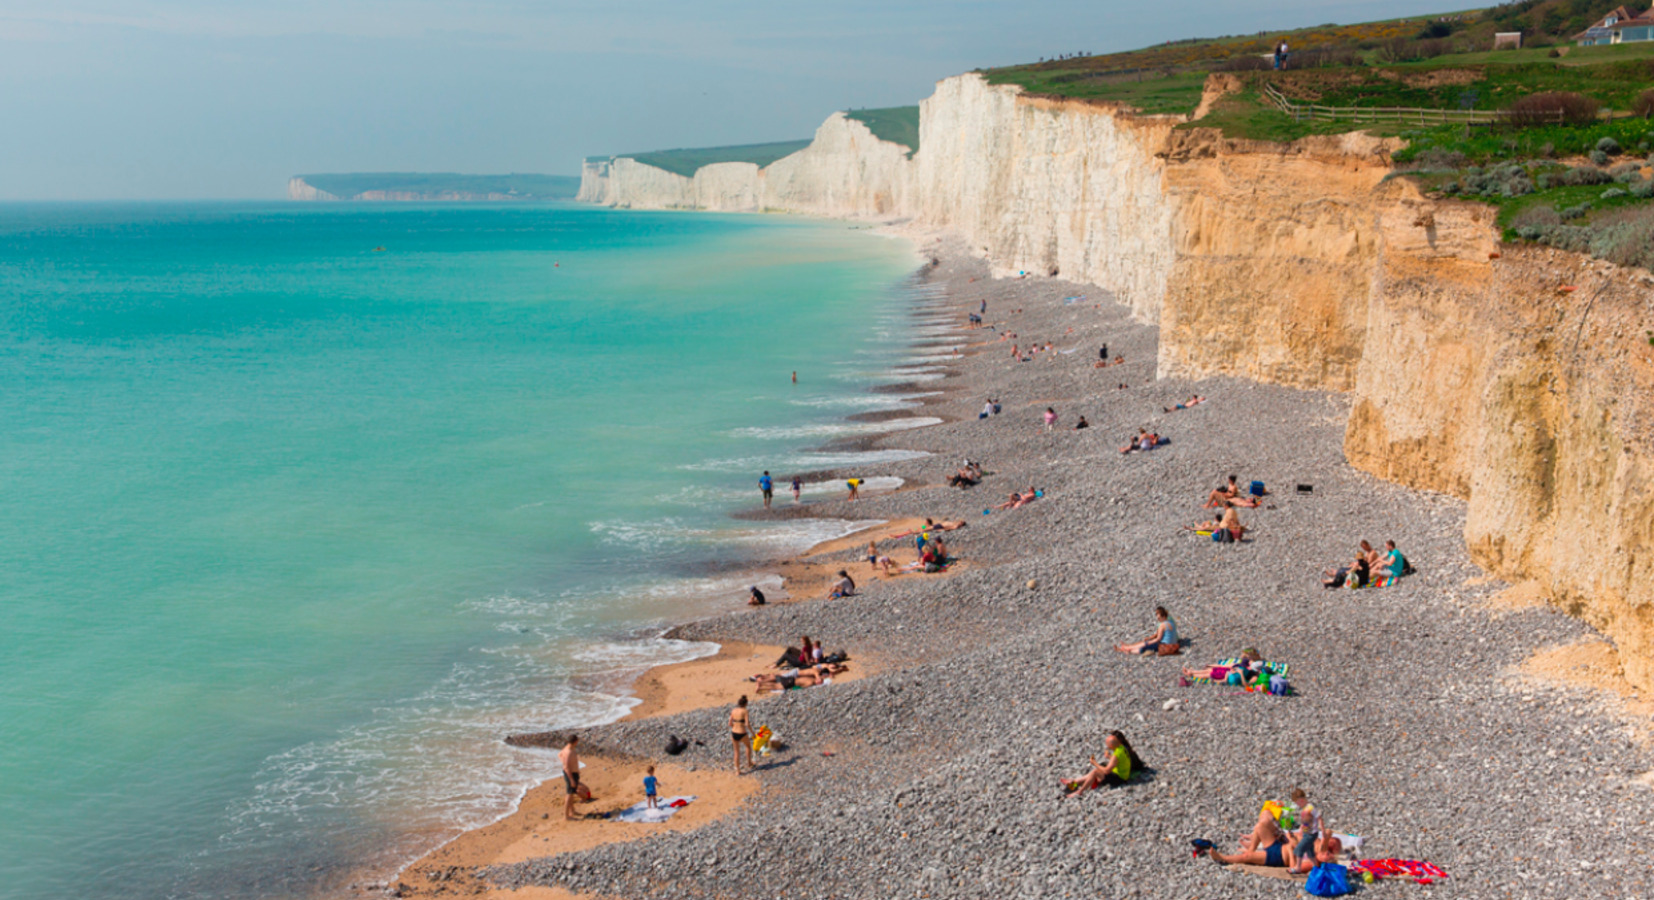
[{"x": 1412, "y": 723}]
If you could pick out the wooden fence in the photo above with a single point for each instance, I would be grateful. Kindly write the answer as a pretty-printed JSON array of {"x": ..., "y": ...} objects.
[{"x": 1309, "y": 112}]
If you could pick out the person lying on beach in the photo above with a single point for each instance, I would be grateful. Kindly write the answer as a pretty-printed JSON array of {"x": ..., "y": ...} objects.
[
  {"x": 1220, "y": 499},
  {"x": 809, "y": 676},
  {"x": 1195, "y": 400},
  {"x": 1119, "y": 761},
  {"x": 1017, "y": 500},
  {"x": 845, "y": 587},
  {"x": 1248, "y": 670},
  {"x": 1165, "y": 635},
  {"x": 1103, "y": 364},
  {"x": 1266, "y": 845},
  {"x": 965, "y": 476}
]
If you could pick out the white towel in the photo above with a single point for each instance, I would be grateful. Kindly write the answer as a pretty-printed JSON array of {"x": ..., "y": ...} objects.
[{"x": 641, "y": 812}]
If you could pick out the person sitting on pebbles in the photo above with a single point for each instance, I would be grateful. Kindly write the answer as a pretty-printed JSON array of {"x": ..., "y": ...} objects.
[
  {"x": 1266, "y": 845},
  {"x": 1230, "y": 522},
  {"x": 1145, "y": 440},
  {"x": 845, "y": 587},
  {"x": 1119, "y": 761},
  {"x": 1165, "y": 635}
]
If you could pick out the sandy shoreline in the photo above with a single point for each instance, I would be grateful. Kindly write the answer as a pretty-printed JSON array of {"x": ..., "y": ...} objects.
[{"x": 1422, "y": 718}]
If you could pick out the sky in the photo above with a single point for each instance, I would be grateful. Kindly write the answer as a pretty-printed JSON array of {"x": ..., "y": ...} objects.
[{"x": 225, "y": 99}]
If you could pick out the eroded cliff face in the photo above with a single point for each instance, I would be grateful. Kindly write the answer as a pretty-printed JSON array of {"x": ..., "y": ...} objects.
[{"x": 1049, "y": 187}]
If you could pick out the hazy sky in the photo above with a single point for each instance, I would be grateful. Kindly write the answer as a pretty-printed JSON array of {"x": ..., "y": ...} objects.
[{"x": 102, "y": 99}]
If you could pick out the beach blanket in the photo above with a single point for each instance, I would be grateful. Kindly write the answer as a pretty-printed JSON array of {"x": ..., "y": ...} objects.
[
  {"x": 1269, "y": 668},
  {"x": 640, "y": 812}
]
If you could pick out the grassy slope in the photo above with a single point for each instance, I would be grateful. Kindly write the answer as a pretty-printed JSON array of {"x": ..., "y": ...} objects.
[
  {"x": 896, "y": 124},
  {"x": 686, "y": 161},
  {"x": 534, "y": 187}
]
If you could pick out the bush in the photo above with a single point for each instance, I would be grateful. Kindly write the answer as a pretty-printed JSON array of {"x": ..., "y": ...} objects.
[
  {"x": 1583, "y": 176},
  {"x": 1643, "y": 190},
  {"x": 1613, "y": 193},
  {"x": 1439, "y": 158},
  {"x": 1574, "y": 212},
  {"x": 1599, "y": 157},
  {"x": 1245, "y": 64},
  {"x": 1544, "y": 181},
  {"x": 1626, "y": 172},
  {"x": 1644, "y": 104},
  {"x": 1547, "y": 150},
  {"x": 1543, "y": 109},
  {"x": 1609, "y": 146}
]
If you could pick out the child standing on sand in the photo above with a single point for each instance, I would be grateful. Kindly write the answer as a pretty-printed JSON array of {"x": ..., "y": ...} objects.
[{"x": 650, "y": 784}]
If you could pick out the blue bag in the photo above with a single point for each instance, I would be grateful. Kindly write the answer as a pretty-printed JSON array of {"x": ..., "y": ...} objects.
[
  {"x": 1328, "y": 880},
  {"x": 1257, "y": 488}
]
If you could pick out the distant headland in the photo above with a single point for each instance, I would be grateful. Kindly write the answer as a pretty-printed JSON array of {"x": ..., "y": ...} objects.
[{"x": 431, "y": 186}]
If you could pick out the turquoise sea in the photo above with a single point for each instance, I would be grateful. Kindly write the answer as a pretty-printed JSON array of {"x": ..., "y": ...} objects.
[{"x": 293, "y": 530}]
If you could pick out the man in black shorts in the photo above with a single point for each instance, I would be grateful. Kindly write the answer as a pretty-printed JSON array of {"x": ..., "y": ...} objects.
[
  {"x": 570, "y": 756},
  {"x": 767, "y": 485}
]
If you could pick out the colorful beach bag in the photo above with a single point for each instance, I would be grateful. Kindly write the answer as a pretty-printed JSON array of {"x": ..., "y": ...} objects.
[{"x": 1328, "y": 880}]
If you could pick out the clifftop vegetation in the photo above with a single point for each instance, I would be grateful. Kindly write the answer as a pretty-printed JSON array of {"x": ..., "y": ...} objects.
[
  {"x": 686, "y": 161},
  {"x": 896, "y": 124}
]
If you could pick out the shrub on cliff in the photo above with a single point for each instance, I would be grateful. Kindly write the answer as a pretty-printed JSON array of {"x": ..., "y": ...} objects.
[
  {"x": 1543, "y": 109},
  {"x": 1574, "y": 212},
  {"x": 1583, "y": 176},
  {"x": 1643, "y": 190},
  {"x": 1613, "y": 193},
  {"x": 1609, "y": 146},
  {"x": 1644, "y": 104}
]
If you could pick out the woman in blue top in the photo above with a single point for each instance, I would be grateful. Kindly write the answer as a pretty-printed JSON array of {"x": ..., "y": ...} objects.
[{"x": 1164, "y": 635}]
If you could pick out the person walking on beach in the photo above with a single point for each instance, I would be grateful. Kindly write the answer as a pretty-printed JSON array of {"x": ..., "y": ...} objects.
[
  {"x": 1050, "y": 418},
  {"x": 740, "y": 730},
  {"x": 798, "y": 488},
  {"x": 570, "y": 757},
  {"x": 767, "y": 485}
]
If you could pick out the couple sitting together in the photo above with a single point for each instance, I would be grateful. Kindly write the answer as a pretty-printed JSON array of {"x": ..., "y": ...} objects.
[
  {"x": 1145, "y": 440},
  {"x": 1370, "y": 569}
]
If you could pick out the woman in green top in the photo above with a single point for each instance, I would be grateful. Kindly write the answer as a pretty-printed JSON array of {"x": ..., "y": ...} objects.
[{"x": 1119, "y": 762}]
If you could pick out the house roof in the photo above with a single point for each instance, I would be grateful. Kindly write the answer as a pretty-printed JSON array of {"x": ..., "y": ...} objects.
[{"x": 1622, "y": 18}]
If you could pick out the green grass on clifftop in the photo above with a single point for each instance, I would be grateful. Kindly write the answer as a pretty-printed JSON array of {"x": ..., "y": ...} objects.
[
  {"x": 685, "y": 162},
  {"x": 896, "y": 124}
]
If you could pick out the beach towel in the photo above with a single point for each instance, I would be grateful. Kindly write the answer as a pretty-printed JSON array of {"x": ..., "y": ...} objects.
[
  {"x": 641, "y": 813},
  {"x": 1419, "y": 871},
  {"x": 1269, "y": 668}
]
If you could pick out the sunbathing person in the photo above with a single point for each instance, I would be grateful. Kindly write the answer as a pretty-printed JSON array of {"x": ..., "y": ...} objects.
[
  {"x": 1266, "y": 845},
  {"x": 1248, "y": 670},
  {"x": 1326, "y": 849},
  {"x": 1194, "y": 400},
  {"x": 1018, "y": 500},
  {"x": 1137, "y": 442},
  {"x": 1229, "y": 521},
  {"x": 1370, "y": 555},
  {"x": 845, "y": 587},
  {"x": 809, "y": 676},
  {"x": 1119, "y": 761},
  {"x": 1355, "y": 575},
  {"x": 1165, "y": 634},
  {"x": 1220, "y": 498}
]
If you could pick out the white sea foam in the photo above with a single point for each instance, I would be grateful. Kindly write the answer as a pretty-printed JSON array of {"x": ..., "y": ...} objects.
[
  {"x": 827, "y": 429},
  {"x": 803, "y": 460}
]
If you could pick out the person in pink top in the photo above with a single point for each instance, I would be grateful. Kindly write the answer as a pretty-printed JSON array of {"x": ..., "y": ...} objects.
[{"x": 1050, "y": 418}]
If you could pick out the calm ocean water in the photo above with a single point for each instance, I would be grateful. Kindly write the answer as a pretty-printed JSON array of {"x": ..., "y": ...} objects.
[{"x": 293, "y": 530}]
